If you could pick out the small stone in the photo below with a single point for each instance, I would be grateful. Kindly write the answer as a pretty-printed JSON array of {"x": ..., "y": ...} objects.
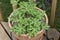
[{"x": 53, "y": 34}]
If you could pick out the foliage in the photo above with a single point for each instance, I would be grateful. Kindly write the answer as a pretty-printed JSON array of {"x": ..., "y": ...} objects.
[
  {"x": 27, "y": 20},
  {"x": 44, "y": 4},
  {"x": 14, "y": 1},
  {"x": 17, "y": 1}
]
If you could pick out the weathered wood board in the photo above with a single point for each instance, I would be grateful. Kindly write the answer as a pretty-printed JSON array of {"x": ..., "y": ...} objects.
[
  {"x": 5, "y": 24},
  {"x": 3, "y": 35}
]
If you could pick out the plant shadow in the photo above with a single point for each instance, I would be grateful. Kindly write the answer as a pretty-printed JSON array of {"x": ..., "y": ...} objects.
[{"x": 6, "y": 8}]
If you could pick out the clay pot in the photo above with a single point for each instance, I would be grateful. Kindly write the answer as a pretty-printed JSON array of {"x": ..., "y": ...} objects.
[
  {"x": 39, "y": 35},
  {"x": 21, "y": 37}
]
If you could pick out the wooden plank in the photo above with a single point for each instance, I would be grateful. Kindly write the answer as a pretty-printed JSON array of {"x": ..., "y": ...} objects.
[
  {"x": 5, "y": 24},
  {"x": 53, "y": 12},
  {"x": 3, "y": 35}
]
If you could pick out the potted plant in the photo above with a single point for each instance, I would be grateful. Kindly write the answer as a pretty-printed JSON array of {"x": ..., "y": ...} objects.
[{"x": 28, "y": 22}]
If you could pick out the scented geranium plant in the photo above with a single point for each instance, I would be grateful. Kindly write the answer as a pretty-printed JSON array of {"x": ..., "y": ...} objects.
[{"x": 27, "y": 20}]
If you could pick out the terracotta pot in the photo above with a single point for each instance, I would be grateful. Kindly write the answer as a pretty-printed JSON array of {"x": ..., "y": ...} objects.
[
  {"x": 21, "y": 37},
  {"x": 39, "y": 35},
  {"x": 25, "y": 37}
]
